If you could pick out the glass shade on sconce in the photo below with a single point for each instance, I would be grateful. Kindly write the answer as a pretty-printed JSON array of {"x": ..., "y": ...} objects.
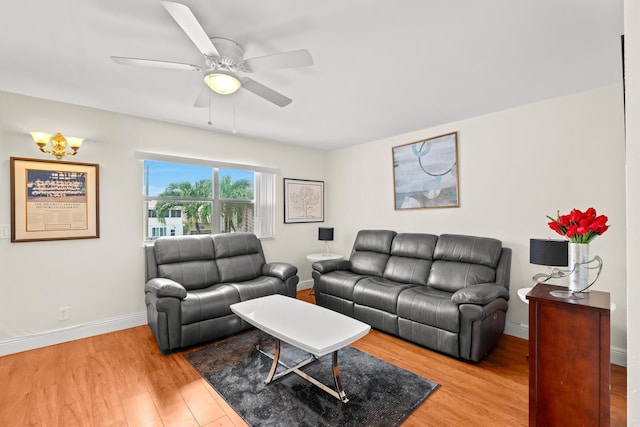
[
  {"x": 222, "y": 82},
  {"x": 552, "y": 253}
]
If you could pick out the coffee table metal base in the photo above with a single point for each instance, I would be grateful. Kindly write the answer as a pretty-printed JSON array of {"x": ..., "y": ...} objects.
[{"x": 338, "y": 393}]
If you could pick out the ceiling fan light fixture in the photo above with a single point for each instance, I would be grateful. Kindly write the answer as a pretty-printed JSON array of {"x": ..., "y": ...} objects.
[{"x": 222, "y": 82}]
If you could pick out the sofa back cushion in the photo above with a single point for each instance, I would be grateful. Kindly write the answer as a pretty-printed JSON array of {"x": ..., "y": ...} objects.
[
  {"x": 239, "y": 256},
  {"x": 371, "y": 251},
  {"x": 461, "y": 261},
  {"x": 411, "y": 258},
  {"x": 189, "y": 260}
]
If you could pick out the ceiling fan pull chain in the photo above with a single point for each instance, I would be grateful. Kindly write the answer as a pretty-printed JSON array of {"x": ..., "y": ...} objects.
[
  {"x": 233, "y": 131},
  {"x": 210, "y": 102}
]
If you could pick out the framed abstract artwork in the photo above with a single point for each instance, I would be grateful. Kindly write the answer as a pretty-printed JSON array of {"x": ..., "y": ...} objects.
[
  {"x": 425, "y": 173},
  {"x": 303, "y": 201},
  {"x": 52, "y": 200}
]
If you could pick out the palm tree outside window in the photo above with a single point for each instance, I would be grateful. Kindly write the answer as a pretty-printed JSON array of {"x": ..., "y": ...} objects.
[{"x": 193, "y": 199}]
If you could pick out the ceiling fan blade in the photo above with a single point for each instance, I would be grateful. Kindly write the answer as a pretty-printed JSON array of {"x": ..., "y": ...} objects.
[
  {"x": 155, "y": 64},
  {"x": 190, "y": 25},
  {"x": 264, "y": 92},
  {"x": 203, "y": 99},
  {"x": 294, "y": 58}
]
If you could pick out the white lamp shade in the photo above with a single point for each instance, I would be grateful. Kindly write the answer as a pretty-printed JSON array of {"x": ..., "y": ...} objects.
[
  {"x": 222, "y": 82},
  {"x": 40, "y": 137},
  {"x": 74, "y": 142}
]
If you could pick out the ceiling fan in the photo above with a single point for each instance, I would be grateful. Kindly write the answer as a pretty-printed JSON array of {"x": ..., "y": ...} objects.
[{"x": 224, "y": 58}]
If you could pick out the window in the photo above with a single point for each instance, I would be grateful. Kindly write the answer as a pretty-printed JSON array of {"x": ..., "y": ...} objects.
[{"x": 185, "y": 198}]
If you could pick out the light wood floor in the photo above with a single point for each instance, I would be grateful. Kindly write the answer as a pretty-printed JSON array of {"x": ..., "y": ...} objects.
[{"x": 121, "y": 379}]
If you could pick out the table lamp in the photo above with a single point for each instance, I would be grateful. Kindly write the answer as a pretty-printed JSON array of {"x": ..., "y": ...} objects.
[
  {"x": 325, "y": 234},
  {"x": 552, "y": 253}
]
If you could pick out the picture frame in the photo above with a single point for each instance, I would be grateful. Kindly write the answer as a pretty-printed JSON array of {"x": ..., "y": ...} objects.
[
  {"x": 303, "y": 201},
  {"x": 425, "y": 173},
  {"x": 53, "y": 200}
]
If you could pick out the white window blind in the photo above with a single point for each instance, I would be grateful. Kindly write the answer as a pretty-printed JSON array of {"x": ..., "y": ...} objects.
[{"x": 265, "y": 204}]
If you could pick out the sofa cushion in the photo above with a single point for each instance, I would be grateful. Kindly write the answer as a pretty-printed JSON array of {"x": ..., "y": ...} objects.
[
  {"x": 453, "y": 276},
  {"x": 238, "y": 256},
  {"x": 371, "y": 252},
  {"x": 339, "y": 283},
  {"x": 191, "y": 274},
  {"x": 234, "y": 244},
  {"x": 187, "y": 260},
  {"x": 414, "y": 245},
  {"x": 429, "y": 306},
  {"x": 259, "y": 287},
  {"x": 468, "y": 249},
  {"x": 183, "y": 248},
  {"x": 461, "y": 261},
  {"x": 411, "y": 257},
  {"x": 208, "y": 303},
  {"x": 377, "y": 292}
]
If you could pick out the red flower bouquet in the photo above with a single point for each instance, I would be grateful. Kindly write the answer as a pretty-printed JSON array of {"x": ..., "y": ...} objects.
[{"x": 578, "y": 226}]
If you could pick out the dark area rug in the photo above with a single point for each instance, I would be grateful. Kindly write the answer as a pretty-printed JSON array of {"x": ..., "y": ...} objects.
[{"x": 380, "y": 394}]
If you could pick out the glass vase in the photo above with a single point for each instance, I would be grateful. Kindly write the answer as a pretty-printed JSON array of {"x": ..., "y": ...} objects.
[{"x": 578, "y": 259}]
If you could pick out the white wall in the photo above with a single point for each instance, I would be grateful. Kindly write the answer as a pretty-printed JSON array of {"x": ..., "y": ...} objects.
[
  {"x": 515, "y": 167},
  {"x": 103, "y": 279},
  {"x": 632, "y": 65}
]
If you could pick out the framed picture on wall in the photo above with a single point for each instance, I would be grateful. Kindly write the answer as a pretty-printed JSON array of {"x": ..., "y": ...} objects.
[
  {"x": 303, "y": 201},
  {"x": 425, "y": 173},
  {"x": 53, "y": 200}
]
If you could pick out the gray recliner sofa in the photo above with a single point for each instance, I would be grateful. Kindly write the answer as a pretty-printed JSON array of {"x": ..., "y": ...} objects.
[
  {"x": 448, "y": 293},
  {"x": 192, "y": 280}
]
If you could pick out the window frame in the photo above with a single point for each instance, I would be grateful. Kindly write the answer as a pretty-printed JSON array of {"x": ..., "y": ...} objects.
[{"x": 216, "y": 201}]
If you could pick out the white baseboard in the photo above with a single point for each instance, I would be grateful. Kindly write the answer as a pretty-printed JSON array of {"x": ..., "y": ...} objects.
[
  {"x": 618, "y": 355},
  {"x": 29, "y": 342},
  {"x": 305, "y": 284}
]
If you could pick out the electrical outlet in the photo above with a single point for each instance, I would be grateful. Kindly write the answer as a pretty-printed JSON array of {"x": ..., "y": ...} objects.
[
  {"x": 4, "y": 231},
  {"x": 63, "y": 313}
]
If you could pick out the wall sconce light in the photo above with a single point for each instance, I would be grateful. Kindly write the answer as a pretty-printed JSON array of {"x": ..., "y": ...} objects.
[{"x": 58, "y": 144}]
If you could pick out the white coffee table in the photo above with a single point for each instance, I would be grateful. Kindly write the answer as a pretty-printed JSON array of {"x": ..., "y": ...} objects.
[{"x": 314, "y": 329}]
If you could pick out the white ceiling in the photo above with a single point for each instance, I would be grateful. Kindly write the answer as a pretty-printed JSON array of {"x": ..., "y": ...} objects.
[{"x": 382, "y": 68}]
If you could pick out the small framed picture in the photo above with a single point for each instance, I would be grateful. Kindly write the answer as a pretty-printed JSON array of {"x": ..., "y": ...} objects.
[
  {"x": 52, "y": 200},
  {"x": 303, "y": 201},
  {"x": 425, "y": 173}
]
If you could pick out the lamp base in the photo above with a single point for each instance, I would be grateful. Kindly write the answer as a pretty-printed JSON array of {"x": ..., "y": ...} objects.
[
  {"x": 567, "y": 294},
  {"x": 326, "y": 248}
]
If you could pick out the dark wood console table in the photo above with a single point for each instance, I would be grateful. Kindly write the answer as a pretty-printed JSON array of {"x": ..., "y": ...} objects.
[{"x": 569, "y": 359}]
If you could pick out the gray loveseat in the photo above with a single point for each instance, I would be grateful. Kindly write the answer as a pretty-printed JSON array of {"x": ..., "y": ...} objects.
[
  {"x": 448, "y": 293},
  {"x": 192, "y": 280}
]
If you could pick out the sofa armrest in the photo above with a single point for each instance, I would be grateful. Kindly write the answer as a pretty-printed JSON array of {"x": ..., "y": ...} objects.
[
  {"x": 165, "y": 288},
  {"x": 281, "y": 270},
  {"x": 482, "y": 293},
  {"x": 331, "y": 265}
]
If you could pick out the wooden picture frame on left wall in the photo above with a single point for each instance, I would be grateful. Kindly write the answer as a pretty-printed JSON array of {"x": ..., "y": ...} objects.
[{"x": 53, "y": 200}]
